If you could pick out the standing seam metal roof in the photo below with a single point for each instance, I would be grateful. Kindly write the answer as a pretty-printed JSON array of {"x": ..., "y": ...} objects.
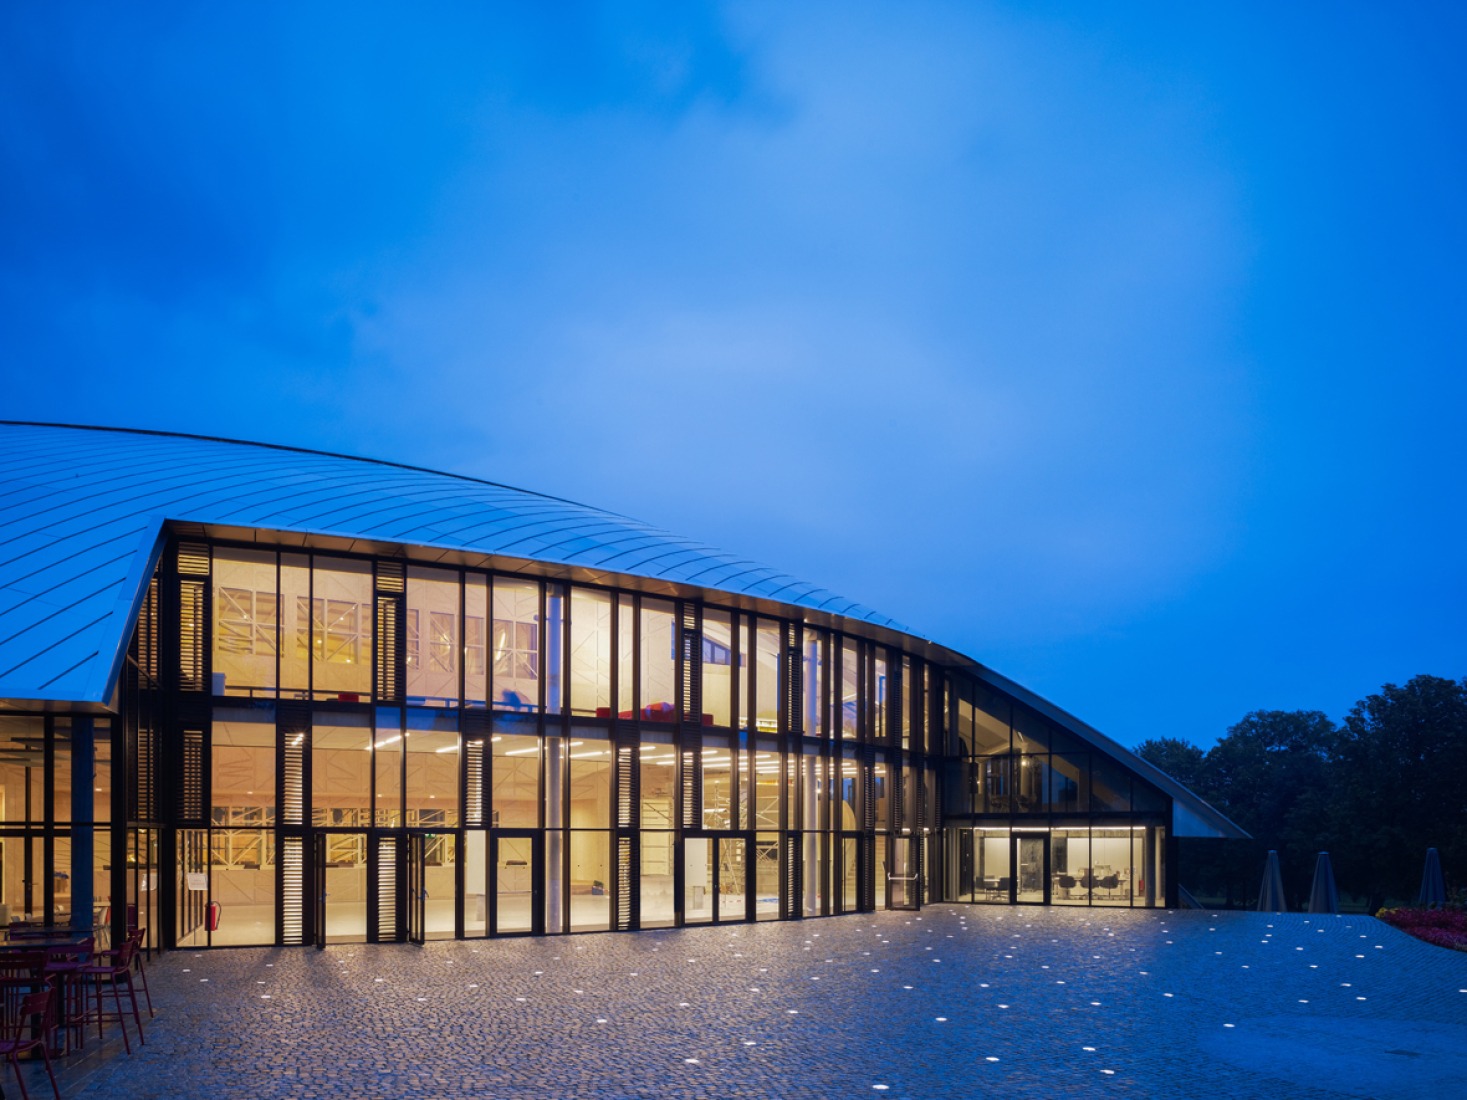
[{"x": 82, "y": 512}]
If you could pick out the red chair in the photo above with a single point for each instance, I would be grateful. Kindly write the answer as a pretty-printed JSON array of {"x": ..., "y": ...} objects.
[
  {"x": 114, "y": 968},
  {"x": 12, "y": 1047}
]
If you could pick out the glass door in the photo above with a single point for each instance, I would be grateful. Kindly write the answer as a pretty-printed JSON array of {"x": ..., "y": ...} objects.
[
  {"x": 417, "y": 890},
  {"x": 1031, "y": 868},
  {"x": 731, "y": 886},
  {"x": 517, "y": 863},
  {"x": 339, "y": 874},
  {"x": 903, "y": 890}
]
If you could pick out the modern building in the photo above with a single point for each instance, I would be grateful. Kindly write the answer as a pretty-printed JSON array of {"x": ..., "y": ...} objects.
[{"x": 258, "y": 695}]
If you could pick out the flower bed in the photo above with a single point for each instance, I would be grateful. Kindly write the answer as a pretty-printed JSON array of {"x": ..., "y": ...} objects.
[{"x": 1443, "y": 927}]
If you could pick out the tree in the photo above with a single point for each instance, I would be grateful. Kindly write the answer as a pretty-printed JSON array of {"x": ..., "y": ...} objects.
[
  {"x": 1181, "y": 760},
  {"x": 1270, "y": 774},
  {"x": 1401, "y": 768}
]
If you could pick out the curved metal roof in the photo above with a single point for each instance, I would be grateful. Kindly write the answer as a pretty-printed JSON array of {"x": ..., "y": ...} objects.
[{"x": 82, "y": 512}]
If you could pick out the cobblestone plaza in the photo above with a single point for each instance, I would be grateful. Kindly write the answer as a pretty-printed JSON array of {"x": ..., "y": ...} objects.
[{"x": 954, "y": 1001}]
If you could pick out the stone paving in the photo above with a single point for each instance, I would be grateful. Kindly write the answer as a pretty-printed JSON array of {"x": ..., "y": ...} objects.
[{"x": 955, "y": 1001}]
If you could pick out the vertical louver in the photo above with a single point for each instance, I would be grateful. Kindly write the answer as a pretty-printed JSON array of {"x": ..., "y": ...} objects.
[
  {"x": 293, "y": 890},
  {"x": 191, "y": 775},
  {"x": 294, "y": 741},
  {"x": 387, "y": 930},
  {"x": 690, "y": 687},
  {"x": 474, "y": 783},
  {"x": 626, "y": 916},
  {"x": 790, "y": 902},
  {"x": 691, "y": 757}
]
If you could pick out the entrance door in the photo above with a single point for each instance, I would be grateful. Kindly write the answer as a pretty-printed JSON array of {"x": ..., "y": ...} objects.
[
  {"x": 517, "y": 862},
  {"x": 733, "y": 900},
  {"x": 1031, "y": 868},
  {"x": 341, "y": 888},
  {"x": 903, "y": 888},
  {"x": 417, "y": 889}
]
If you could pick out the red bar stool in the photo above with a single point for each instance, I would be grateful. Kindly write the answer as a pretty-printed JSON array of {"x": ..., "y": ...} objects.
[
  {"x": 137, "y": 935},
  {"x": 114, "y": 968}
]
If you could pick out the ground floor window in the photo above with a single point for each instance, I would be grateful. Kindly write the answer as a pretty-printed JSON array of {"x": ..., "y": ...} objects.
[{"x": 1109, "y": 864}]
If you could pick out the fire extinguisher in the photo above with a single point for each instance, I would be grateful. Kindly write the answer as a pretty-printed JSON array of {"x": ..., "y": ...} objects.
[{"x": 213, "y": 916}]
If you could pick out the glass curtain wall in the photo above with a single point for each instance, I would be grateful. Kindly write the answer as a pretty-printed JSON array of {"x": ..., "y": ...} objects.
[{"x": 480, "y": 713}]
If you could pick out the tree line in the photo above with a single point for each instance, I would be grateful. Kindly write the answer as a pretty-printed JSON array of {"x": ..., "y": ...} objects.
[{"x": 1375, "y": 791}]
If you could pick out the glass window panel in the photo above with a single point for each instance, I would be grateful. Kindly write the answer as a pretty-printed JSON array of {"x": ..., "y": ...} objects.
[
  {"x": 717, "y": 787},
  {"x": 591, "y": 649},
  {"x": 1145, "y": 798},
  {"x": 814, "y": 683},
  {"x": 990, "y": 723},
  {"x": 1111, "y": 866},
  {"x": 659, "y": 668},
  {"x": 626, "y": 656},
  {"x": 879, "y": 707},
  {"x": 554, "y": 647},
  {"x": 432, "y": 637},
  {"x": 766, "y": 790},
  {"x": 905, "y": 717},
  {"x": 387, "y": 753},
  {"x": 717, "y": 667},
  {"x": 476, "y": 883},
  {"x": 993, "y": 873},
  {"x": 246, "y": 622},
  {"x": 1032, "y": 783},
  {"x": 294, "y": 611},
  {"x": 994, "y": 781},
  {"x": 516, "y": 641},
  {"x": 658, "y": 851},
  {"x": 850, "y": 670},
  {"x": 341, "y": 772},
  {"x": 590, "y": 785},
  {"x": 590, "y": 881},
  {"x": 697, "y": 880},
  {"x": 658, "y": 764},
  {"x": 1070, "y": 865},
  {"x": 850, "y": 783},
  {"x": 339, "y": 635},
  {"x": 516, "y": 781},
  {"x": 882, "y": 787},
  {"x": 743, "y": 704},
  {"x": 243, "y": 770},
  {"x": 766, "y": 677},
  {"x": 476, "y": 640},
  {"x": 22, "y": 748},
  {"x": 1069, "y": 783},
  {"x": 102, "y": 777},
  {"x": 766, "y": 876},
  {"x": 1030, "y": 732},
  {"x": 432, "y": 772},
  {"x": 1110, "y": 786},
  {"x": 242, "y": 881}
]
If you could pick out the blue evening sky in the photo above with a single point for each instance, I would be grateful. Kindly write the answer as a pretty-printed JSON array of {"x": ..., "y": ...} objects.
[{"x": 1119, "y": 346}]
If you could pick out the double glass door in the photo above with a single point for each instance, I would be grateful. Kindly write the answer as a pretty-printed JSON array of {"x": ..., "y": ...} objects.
[
  {"x": 716, "y": 872},
  {"x": 370, "y": 886}
]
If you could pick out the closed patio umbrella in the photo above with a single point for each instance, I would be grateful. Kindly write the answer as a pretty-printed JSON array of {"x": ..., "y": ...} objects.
[
  {"x": 1323, "y": 897},
  {"x": 1271, "y": 896},
  {"x": 1433, "y": 886}
]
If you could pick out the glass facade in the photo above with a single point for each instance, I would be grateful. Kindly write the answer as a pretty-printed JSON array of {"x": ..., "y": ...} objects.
[{"x": 364, "y": 749}]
